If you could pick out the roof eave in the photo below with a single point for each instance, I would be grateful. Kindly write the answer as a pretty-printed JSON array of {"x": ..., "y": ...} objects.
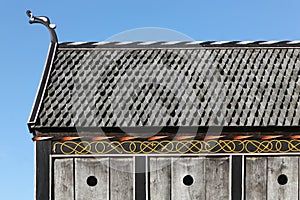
[
  {"x": 42, "y": 86},
  {"x": 167, "y": 129}
]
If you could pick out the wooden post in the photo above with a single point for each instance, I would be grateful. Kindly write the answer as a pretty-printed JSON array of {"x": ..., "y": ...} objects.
[
  {"x": 236, "y": 177},
  {"x": 140, "y": 178},
  {"x": 42, "y": 170}
]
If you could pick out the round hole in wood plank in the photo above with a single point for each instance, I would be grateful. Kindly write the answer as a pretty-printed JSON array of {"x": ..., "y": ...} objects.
[
  {"x": 92, "y": 181},
  {"x": 188, "y": 180},
  {"x": 282, "y": 179}
]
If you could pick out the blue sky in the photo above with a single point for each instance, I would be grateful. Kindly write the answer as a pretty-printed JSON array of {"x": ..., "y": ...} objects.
[{"x": 24, "y": 49}]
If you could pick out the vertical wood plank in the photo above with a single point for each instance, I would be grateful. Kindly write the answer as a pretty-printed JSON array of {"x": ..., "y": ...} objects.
[
  {"x": 160, "y": 178},
  {"x": 91, "y": 167},
  {"x": 256, "y": 178},
  {"x": 187, "y": 178},
  {"x": 283, "y": 165},
  {"x": 42, "y": 169},
  {"x": 121, "y": 178},
  {"x": 217, "y": 178},
  {"x": 63, "y": 179},
  {"x": 140, "y": 177},
  {"x": 236, "y": 177}
]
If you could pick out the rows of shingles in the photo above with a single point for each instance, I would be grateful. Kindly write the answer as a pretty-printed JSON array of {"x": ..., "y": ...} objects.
[
  {"x": 131, "y": 94},
  {"x": 53, "y": 104},
  {"x": 100, "y": 103},
  {"x": 264, "y": 114},
  {"x": 269, "y": 78},
  {"x": 138, "y": 111},
  {"x": 211, "y": 116},
  {"x": 292, "y": 90},
  {"x": 106, "y": 110},
  {"x": 181, "y": 114},
  {"x": 236, "y": 82},
  {"x": 67, "y": 90},
  {"x": 118, "y": 103},
  {"x": 87, "y": 116},
  {"x": 100, "y": 100}
]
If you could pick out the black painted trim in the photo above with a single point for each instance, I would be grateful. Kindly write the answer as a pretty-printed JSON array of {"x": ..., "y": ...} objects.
[
  {"x": 42, "y": 86},
  {"x": 42, "y": 170},
  {"x": 167, "y": 129},
  {"x": 236, "y": 177},
  {"x": 140, "y": 178}
]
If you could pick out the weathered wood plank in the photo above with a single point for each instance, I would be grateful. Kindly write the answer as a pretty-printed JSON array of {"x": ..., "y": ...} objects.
[
  {"x": 121, "y": 178},
  {"x": 217, "y": 178},
  {"x": 256, "y": 178},
  {"x": 63, "y": 179},
  {"x": 187, "y": 180},
  {"x": 283, "y": 165},
  {"x": 42, "y": 172},
  {"x": 160, "y": 178},
  {"x": 87, "y": 171}
]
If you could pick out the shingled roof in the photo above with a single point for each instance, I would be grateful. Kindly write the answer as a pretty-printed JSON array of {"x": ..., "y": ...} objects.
[{"x": 167, "y": 84}]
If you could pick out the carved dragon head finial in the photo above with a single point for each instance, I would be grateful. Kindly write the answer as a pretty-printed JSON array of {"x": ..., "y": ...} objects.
[{"x": 46, "y": 22}]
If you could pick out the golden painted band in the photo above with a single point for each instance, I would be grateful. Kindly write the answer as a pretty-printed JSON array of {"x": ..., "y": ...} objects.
[{"x": 181, "y": 147}]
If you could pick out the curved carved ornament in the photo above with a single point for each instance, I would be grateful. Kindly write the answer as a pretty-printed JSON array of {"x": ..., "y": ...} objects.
[
  {"x": 177, "y": 147},
  {"x": 46, "y": 22}
]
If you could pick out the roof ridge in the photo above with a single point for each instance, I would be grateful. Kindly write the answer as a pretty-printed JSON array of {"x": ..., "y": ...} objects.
[{"x": 180, "y": 44}]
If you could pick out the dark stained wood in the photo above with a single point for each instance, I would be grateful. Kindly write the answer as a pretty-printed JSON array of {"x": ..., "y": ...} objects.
[
  {"x": 236, "y": 177},
  {"x": 140, "y": 177},
  {"x": 228, "y": 132},
  {"x": 42, "y": 173}
]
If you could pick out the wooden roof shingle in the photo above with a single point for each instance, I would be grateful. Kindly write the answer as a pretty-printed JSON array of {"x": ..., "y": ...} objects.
[{"x": 230, "y": 84}]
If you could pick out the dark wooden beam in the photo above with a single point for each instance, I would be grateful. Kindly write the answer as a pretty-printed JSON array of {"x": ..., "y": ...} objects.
[
  {"x": 236, "y": 178},
  {"x": 140, "y": 178},
  {"x": 42, "y": 179}
]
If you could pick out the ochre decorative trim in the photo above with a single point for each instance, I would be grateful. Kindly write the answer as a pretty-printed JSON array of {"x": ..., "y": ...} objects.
[{"x": 178, "y": 147}]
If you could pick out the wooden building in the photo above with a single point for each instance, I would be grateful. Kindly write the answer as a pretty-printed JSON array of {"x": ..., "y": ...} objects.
[{"x": 167, "y": 120}]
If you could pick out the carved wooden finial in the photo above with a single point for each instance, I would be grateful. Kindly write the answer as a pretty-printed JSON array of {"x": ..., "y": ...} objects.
[{"x": 46, "y": 22}]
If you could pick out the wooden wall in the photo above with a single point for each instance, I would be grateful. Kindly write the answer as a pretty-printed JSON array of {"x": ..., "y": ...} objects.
[
  {"x": 272, "y": 178},
  {"x": 175, "y": 178},
  {"x": 169, "y": 178},
  {"x": 89, "y": 178}
]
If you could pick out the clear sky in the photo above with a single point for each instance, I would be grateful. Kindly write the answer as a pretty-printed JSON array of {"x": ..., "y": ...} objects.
[{"x": 24, "y": 48}]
